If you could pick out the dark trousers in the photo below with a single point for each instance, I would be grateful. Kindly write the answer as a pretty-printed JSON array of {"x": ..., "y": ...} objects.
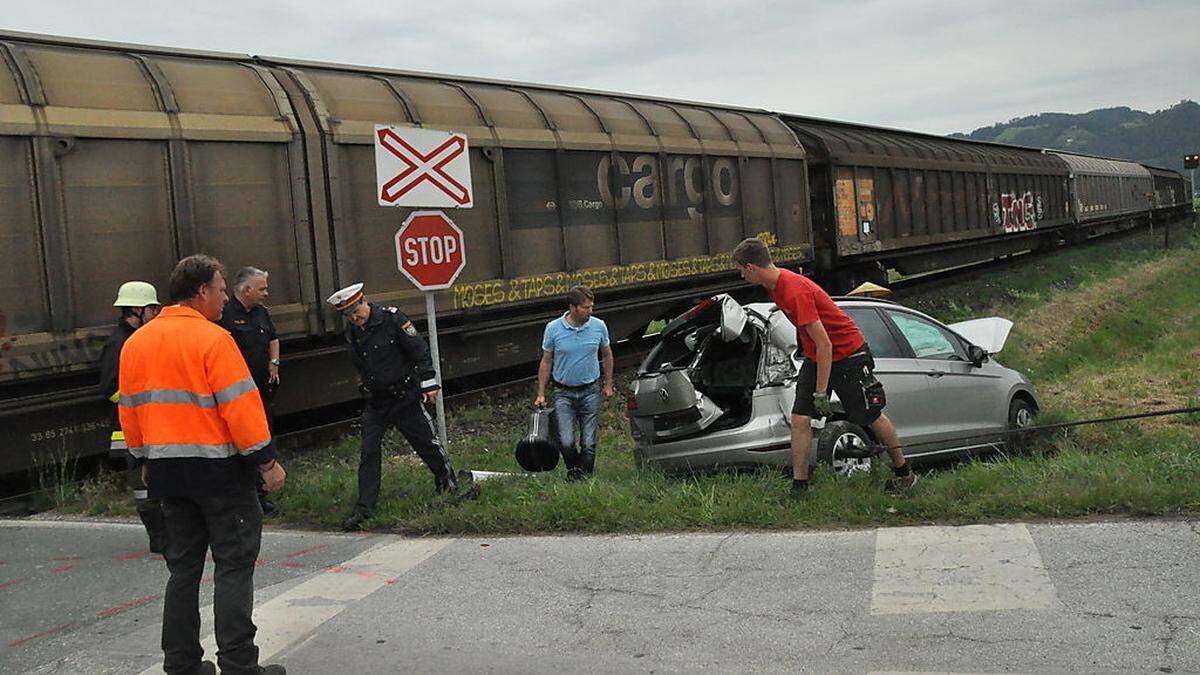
[
  {"x": 232, "y": 527},
  {"x": 409, "y": 417}
]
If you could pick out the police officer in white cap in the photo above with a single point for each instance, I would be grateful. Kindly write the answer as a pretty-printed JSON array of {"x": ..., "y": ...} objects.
[
  {"x": 138, "y": 301},
  {"x": 397, "y": 378}
]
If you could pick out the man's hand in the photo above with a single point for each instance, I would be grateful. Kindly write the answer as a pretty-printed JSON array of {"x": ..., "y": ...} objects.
[
  {"x": 273, "y": 374},
  {"x": 540, "y": 401},
  {"x": 430, "y": 396},
  {"x": 821, "y": 403},
  {"x": 145, "y": 473},
  {"x": 608, "y": 390},
  {"x": 273, "y": 475}
]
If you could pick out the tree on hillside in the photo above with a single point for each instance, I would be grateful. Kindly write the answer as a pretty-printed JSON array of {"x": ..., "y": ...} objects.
[{"x": 1160, "y": 138}]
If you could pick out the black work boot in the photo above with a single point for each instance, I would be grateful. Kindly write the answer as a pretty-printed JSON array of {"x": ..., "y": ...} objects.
[
  {"x": 445, "y": 483},
  {"x": 206, "y": 668},
  {"x": 273, "y": 669}
]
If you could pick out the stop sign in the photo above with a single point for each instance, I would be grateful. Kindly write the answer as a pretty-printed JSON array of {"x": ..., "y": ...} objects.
[{"x": 430, "y": 250}]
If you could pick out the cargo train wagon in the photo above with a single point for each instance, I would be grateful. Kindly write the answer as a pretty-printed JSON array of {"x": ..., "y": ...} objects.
[
  {"x": 1172, "y": 194},
  {"x": 116, "y": 160},
  {"x": 887, "y": 199}
]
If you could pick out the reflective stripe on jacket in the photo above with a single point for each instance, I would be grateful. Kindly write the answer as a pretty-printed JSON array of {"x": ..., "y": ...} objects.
[{"x": 186, "y": 392}]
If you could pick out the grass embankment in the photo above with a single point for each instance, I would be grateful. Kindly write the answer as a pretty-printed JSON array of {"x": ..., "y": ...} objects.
[{"x": 1104, "y": 329}]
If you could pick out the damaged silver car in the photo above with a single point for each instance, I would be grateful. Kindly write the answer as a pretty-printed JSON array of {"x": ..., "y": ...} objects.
[{"x": 717, "y": 389}]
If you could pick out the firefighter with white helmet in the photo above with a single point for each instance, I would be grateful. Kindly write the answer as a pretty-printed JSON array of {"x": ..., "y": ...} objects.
[{"x": 138, "y": 302}]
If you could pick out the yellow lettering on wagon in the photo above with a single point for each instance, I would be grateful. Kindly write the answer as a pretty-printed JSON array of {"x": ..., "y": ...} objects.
[{"x": 503, "y": 291}]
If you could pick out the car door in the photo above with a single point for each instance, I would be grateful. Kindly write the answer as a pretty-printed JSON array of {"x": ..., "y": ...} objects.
[
  {"x": 904, "y": 378},
  {"x": 960, "y": 394}
]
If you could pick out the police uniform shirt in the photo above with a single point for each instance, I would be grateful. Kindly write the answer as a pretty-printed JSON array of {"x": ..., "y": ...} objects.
[
  {"x": 253, "y": 332},
  {"x": 388, "y": 351}
]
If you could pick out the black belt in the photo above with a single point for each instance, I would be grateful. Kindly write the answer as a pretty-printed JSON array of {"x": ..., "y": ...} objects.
[
  {"x": 399, "y": 390},
  {"x": 576, "y": 387}
]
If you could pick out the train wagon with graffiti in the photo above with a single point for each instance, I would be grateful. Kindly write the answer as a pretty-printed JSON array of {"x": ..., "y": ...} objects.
[
  {"x": 116, "y": 160},
  {"x": 913, "y": 202},
  {"x": 1172, "y": 194}
]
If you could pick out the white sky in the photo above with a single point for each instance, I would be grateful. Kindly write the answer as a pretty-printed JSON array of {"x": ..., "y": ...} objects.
[{"x": 926, "y": 65}]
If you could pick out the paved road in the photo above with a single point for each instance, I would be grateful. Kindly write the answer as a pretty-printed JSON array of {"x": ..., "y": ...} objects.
[{"x": 1098, "y": 597}]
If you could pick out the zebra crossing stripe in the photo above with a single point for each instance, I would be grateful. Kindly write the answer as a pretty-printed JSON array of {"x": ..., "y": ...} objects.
[
  {"x": 289, "y": 618},
  {"x": 959, "y": 569}
]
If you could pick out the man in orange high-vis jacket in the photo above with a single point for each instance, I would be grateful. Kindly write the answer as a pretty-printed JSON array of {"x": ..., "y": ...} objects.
[{"x": 194, "y": 419}]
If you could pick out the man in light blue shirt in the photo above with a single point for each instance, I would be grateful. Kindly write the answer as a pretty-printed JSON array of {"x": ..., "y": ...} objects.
[{"x": 573, "y": 347}]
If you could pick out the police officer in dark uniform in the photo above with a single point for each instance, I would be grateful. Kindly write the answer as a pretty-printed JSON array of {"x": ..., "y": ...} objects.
[
  {"x": 397, "y": 378},
  {"x": 247, "y": 319},
  {"x": 138, "y": 301}
]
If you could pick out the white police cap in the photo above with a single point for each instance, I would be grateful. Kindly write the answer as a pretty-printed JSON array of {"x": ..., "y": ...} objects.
[{"x": 346, "y": 298}]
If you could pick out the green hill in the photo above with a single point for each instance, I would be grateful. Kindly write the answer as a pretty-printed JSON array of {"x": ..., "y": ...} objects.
[{"x": 1160, "y": 138}]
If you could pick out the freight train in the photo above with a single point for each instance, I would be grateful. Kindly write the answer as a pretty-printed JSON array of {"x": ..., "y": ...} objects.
[{"x": 116, "y": 160}]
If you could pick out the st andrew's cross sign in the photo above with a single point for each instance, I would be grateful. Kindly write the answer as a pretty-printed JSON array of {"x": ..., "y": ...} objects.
[{"x": 422, "y": 167}]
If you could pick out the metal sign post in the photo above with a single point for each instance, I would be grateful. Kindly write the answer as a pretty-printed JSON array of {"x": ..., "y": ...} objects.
[{"x": 431, "y": 316}]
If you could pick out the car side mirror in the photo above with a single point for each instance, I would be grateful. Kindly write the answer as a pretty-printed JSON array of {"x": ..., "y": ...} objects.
[{"x": 977, "y": 354}]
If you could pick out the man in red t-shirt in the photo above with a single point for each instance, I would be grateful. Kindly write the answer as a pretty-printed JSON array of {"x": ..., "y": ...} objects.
[{"x": 836, "y": 356}]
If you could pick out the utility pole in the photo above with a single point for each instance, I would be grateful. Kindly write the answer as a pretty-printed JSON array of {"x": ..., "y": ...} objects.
[{"x": 1192, "y": 162}]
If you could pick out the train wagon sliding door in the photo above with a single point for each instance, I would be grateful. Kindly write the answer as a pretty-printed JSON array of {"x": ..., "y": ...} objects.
[
  {"x": 238, "y": 181},
  {"x": 110, "y": 157}
]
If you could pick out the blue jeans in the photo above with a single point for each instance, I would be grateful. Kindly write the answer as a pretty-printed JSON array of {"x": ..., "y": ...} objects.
[{"x": 580, "y": 407}]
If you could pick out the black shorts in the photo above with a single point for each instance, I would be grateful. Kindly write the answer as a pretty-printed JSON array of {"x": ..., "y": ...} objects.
[{"x": 860, "y": 394}]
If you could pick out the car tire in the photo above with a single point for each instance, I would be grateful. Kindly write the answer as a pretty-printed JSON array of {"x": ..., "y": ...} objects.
[
  {"x": 1021, "y": 414},
  {"x": 838, "y": 445}
]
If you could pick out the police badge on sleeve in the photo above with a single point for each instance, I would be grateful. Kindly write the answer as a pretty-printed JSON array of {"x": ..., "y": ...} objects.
[{"x": 409, "y": 329}]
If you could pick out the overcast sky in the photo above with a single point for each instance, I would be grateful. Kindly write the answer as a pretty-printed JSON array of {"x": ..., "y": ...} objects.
[{"x": 930, "y": 66}]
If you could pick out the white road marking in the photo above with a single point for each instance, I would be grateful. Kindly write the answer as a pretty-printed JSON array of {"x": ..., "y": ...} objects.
[
  {"x": 69, "y": 524},
  {"x": 959, "y": 569},
  {"x": 928, "y": 673},
  {"x": 292, "y": 616}
]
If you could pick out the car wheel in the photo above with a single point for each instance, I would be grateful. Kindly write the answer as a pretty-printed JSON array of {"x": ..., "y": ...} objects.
[
  {"x": 1021, "y": 414},
  {"x": 845, "y": 447}
]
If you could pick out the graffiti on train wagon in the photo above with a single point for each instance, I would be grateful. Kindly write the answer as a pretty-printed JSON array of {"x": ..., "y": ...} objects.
[
  {"x": 62, "y": 356},
  {"x": 1017, "y": 213},
  {"x": 500, "y": 291}
]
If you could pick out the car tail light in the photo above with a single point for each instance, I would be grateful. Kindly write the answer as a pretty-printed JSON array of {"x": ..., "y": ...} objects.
[{"x": 703, "y": 305}]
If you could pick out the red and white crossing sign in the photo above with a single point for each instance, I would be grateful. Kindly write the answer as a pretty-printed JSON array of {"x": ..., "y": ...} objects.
[
  {"x": 422, "y": 167},
  {"x": 430, "y": 250}
]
